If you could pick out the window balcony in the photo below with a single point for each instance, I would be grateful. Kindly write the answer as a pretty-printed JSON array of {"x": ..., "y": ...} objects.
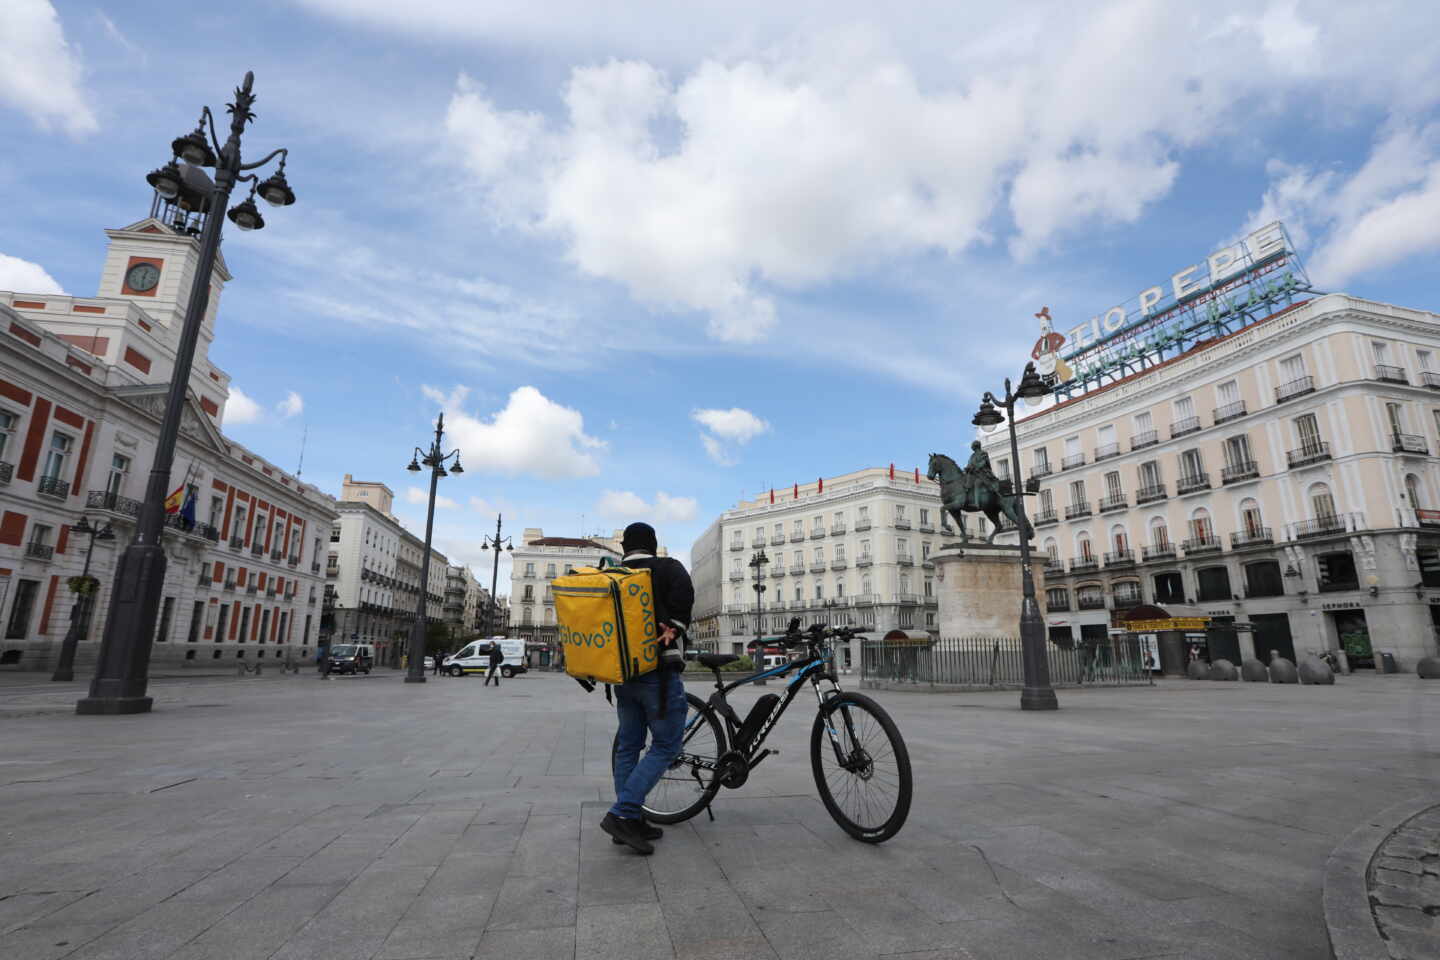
[
  {"x": 551, "y": 574},
  {"x": 737, "y": 544},
  {"x": 1295, "y": 388},
  {"x": 1429, "y": 379},
  {"x": 1192, "y": 483},
  {"x": 1057, "y": 606},
  {"x": 797, "y": 536},
  {"x": 1053, "y": 568},
  {"x": 276, "y": 555},
  {"x": 1310, "y": 453},
  {"x": 1090, "y": 601},
  {"x": 840, "y": 564},
  {"x": 905, "y": 559},
  {"x": 315, "y": 567},
  {"x": 931, "y": 600},
  {"x": 797, "y": 569},
  {"x": 737, "y": 575},
  {"x": 861, "y": 525},
  {"x": 758, "y": 543},
  {"x": 1120, "y": 558},
  {"x": 1158, "y": 551},
  {"x": 777, "y": 539},
  {"x": 39, "y": 551},
  {"x": 908, "y": 599},
  {"x": 777, "y": 570},
  {"x": 1230, "y": 411},
  {"x": 928, "y": 562},
  {"x": 1326, "y": 526},
  {"x": 1197, "y": 545},
  {"x": 1409, "y": 443},
  {"x": 1251, "y": 538},
  {"x": 204, "y": 580},
  {"x": 1236, "y": 472},
  {"x": 1107, "y": 450},
  {"x": 112, "y": 503},
  {"x": 865, "y": 599},
  {"x": 207, "y": 532},
  {"x": 1146, "y": 438},
  {"x": 252, "y": 588},
  {"x": 1390, "y": 374},
  {"x": 818, "y": 566},
  {"x": 1040, "y": 471},
  {"x": 7, "y": 471},
  {"x": 1114, "y": 502},
  {"x": 332, "y": 571},
  {"x": 1044, "y": 517},
  {"x": 926, "y": 527},
  {"x": 1183, "y": 426},
  {"x": 1084, "y": 564},
  {"x": 53, "y": 487},
  {"x": 1126, "y": 601},
  {"x": 901, "y": 523},
  {"x": 230, "y": 584},
  {"x": 1076, "y": 510},
  {"x": 257, "y": 549},
  {"x": 1072, "y": 461},
  {"x": 549, "y": 600},
  {"x": 837, "y": 529},
  {"x": 1150, "y": 494},
  {"x": 864, "y": 560}
]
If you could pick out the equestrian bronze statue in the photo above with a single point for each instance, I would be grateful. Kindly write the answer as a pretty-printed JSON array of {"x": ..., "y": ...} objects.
[{"x": 975, "y": 489}]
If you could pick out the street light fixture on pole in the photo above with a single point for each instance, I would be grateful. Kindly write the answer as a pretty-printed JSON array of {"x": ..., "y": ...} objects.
[
  {"x": 84, "y": 601},
  {"x": 122, "y": 673},
  {"x": 1037, "y": 693},
  {"x": 493, "y": 607},
  {"x": 435, "y": 459},
  {"x": 758, "y": 560}
]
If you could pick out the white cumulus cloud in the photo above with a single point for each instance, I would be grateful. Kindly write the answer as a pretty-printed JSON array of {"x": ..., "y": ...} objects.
[
  {"x": 531, "y": 435},
  {"x": 720, "y": 428},
  {"x": 22, "y": 276},
  {"x": 624, "y": 505},
  {"x": 40, "y": 72},
  {"x": 240, "y": 408},
  {"x": 421, "y": 497},
  {"x": 292, "y": 405}
]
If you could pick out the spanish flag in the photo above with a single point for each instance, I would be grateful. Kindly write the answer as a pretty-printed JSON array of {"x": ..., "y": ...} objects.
[{"x": 175, "y": 500}]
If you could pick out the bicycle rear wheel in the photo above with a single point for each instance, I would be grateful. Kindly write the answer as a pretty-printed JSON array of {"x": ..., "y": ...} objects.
[
  {"x": 689, "y": 784},
  {"x": 863, "y": 773}
]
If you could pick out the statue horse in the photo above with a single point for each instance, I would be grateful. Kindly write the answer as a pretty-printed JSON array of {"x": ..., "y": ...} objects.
[{"x": 958, "y": 498}]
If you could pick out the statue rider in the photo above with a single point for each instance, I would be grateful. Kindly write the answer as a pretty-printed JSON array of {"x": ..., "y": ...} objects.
[{"x": 979, "y": 474}]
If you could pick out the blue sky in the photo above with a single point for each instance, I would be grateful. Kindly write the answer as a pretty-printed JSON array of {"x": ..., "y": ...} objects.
[{"x": 654, "y": 258}]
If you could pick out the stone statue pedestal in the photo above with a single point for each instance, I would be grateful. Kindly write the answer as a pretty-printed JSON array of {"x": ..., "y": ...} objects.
[{"x": 980, "y": 589}]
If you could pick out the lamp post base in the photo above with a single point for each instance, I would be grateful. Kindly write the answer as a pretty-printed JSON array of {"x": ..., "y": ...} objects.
[
  {"x": 1032, "y": 698},
  {"x": 112, "y": 706}
]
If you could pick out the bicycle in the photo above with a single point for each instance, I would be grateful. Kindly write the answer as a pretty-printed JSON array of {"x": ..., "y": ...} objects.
[{"x": 861, "y": 765}]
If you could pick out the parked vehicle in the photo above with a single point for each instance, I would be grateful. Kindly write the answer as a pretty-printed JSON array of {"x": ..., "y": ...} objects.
[
  {"x": 351, "y": 658},
  {"x": 474, "y": 657}
]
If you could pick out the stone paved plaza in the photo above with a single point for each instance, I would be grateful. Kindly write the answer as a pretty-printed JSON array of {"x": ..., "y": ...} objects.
[{"x": 356, "y": 818}]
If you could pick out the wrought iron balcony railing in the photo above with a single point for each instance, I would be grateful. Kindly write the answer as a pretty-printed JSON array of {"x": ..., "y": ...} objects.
[
  {"x": 1107, "y": 450},
  {"x": 1317, "y": 452},
  {"x": 1044, "y": 517},
  {"x": 1143, "y": 439},
  {"x": 1230, "y": 411},
  {"x": 1183, "y": 426},
  {"x": 43, "y": 552},
  {"x": 1090, "y": 601},
  {"x": 1236, "y": 472},
  {"x": 1115, "y": 501},
  {"x": 7, "y": 471},
  {"x": 1327, "y": 525},
  {"x": 1192, "y": 483},
  {"x": 113, "y": 502},
  {"x": 1205, "y": 544},
  {"x": 1250, "y": 538},
  {"x": 1295, "y": 388},
  {"x": 1084, "y": 564},
  {"x": 1040, "y": 471},
  {"x": 1150, "y": 494},
  {"x": 1158, "y": 551},
  {"x": 1074, "y": 510},
  {"x": 1120, "y": 558},
  {"x": 1072, "y": 461},
  {"x": 53, "y": 487}
]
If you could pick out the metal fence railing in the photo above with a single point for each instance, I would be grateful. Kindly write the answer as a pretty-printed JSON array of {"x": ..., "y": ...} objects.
[{"x": 997, "y": 662}]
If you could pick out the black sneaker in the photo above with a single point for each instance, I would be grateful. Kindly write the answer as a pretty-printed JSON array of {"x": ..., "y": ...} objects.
[
  {"x": 628, "y": 832},
  {"x": 648, "y": 830}
]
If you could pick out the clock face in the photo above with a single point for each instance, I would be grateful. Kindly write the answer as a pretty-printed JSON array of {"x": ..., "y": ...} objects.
[{"x": 142, "y": 277}]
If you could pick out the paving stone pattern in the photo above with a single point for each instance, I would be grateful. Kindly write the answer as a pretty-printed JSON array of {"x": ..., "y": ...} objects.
[
  {"x": 1404, "y": 883},
  {"x": 366, "y": 819}
]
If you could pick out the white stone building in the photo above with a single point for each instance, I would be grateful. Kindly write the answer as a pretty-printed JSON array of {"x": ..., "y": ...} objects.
[
  {"x": 848, "y": 549},
  {"x": 1282, "y": 478},
  {"x": 82, "y": 389},
  {"x": 374, "y": 572}
]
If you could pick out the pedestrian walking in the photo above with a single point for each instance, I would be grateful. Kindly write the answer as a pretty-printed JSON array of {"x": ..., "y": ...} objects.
[
  {"x": 497, "y": 657},
  {"x": 435, "y": 664},
  {"x": 654, "y": 702}
]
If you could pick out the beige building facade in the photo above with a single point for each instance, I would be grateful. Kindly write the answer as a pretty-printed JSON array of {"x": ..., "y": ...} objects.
[{"x": 1281, "y": 481}]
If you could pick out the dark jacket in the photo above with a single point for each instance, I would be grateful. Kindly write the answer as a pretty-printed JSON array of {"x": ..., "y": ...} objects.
[
  {"x": 497, "y": 656},
  {"x": 674, "y": 593}
]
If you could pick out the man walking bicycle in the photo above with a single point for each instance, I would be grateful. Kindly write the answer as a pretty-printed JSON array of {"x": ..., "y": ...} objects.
[{"x": 653, "y": 702}]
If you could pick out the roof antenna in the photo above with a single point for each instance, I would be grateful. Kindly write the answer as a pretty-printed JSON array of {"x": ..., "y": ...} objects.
[{"x": 303, "y": 436}]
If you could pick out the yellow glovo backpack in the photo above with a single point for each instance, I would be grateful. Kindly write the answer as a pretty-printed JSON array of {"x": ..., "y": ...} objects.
[{"x": 607, "y": 623}]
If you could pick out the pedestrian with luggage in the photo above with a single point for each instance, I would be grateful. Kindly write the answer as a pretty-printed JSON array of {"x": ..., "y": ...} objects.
[
  {"x": 653, "y": 702},
  {"x": 497, "y": 657}
]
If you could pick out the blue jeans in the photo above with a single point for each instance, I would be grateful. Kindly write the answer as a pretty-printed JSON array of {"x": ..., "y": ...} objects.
[{"x": 638, "y": 704}]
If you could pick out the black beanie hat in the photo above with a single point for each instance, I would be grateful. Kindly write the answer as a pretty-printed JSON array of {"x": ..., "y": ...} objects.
[{"x": 639, "y": 536}]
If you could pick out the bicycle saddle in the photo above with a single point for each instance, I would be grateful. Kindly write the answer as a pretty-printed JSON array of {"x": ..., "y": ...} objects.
[{"x": 714, "y": 660}]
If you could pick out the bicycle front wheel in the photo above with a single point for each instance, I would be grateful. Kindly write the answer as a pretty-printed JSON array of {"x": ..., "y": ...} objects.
[
  {"x": 688, "y": 785},
  {"x": 862, "y": 768}
]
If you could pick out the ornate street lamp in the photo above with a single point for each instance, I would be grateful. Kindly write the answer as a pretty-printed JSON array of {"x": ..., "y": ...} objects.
[
  {"x": 1037, "y": 693},
  {"x": 84, "y": 601},
  {"x": 492, "y": 609},
  {"x": 757, "y": 563},
  {"x": 434, "y": 458},
  {"x": 122, "y": 672}
]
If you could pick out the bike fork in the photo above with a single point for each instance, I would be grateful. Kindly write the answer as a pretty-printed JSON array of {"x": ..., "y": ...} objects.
[{"x": 840, "y": 754}]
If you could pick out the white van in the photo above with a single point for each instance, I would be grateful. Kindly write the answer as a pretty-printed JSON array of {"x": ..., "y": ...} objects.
[{"x": 475, "y": 657}]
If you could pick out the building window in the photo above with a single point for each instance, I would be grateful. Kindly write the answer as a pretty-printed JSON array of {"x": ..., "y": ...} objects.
[
  {"x": 865, "y": 585},
  {"x": 799, "y": 593},
  {"x": 902, "y": 547},
  {"x": 900, "y": 512},
  {"x": 799, "y": 558},
  {"x": 1149, "y": 474},
  {"x": 1057, "y": 598},
  {"x": 8, "y": 423},
  {"x": 1200, "y": 527},
  {"x": 865, "y": 549},
  {"x": 1041, "y": 456},
  {"x": 1113, "y": 489},
  {"x": 1077, "y": 492},
  {"x": 18, "y": 625},
  {"x": 925, "y": 512},
  {"x": 1292, "y": 368},
  {"x": 1422, "y": 359},
  {"x": 840, "y": 588},
  {"x": 1396, "y": 418},
  {"x": 1227, "y": 393},
  {"x": 549, "y": 569},
  {"x": 1047, "y": 501},
  {"x": 1250, "y": 517},
  {"x": 40, "y": 535},
  {"x": 1322, "y": 504},
  {"x": 819, "y": 554},
  {"x": 819, "y": 591},
  {"x": 1307, "y": 431},
  {"x": 839, "y": 553},
  {"x": 1002, "y": 470},
  {"x": 1191, "y": 466},
  {"x": 1159, "y": 534},
  {"x": 779, "y": 531},
  {"x": 1381, "y": 351},
  {"x": 1237, "y": 451},
  {"x": 167, "y": 612},
  {"x": 1083, "y": 549},
  {"x": 197, "y": 619},
  {"x": 530, "y": 569},
  {"x": 119, "y": 470},
  {"x": 55, "y": 457},
  {"x": 925, "y": 550}
]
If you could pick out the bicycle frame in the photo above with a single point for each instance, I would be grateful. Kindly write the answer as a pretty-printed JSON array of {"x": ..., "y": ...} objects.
[{"x": 813, "y": 667}]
